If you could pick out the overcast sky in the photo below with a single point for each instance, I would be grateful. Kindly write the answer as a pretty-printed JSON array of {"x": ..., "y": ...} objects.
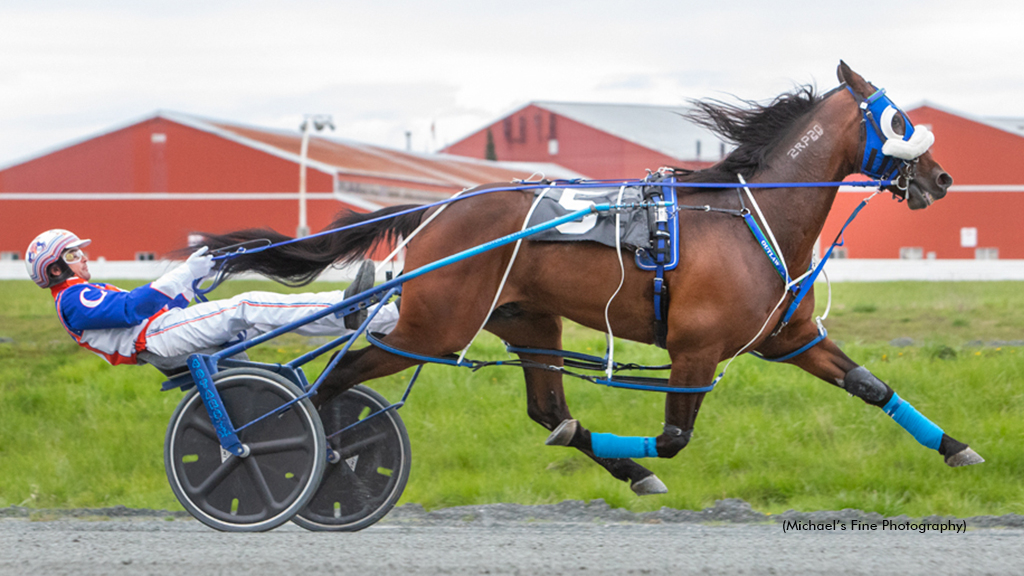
[{"x": 71, "y": 69}]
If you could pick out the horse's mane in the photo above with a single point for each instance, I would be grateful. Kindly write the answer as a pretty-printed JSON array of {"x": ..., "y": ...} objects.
[{"x": 753, "y": 127}]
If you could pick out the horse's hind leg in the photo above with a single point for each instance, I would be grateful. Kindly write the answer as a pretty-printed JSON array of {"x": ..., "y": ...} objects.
[
  {"x": 545, "y": 397},
  {"x": 828, "y": 362}
]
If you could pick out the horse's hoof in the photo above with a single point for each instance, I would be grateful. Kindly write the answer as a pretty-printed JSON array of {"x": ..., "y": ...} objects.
[
  {"x": 562, "y": 435},
  {"x": 965, "y": 457},
  {"x": 650, "y": 485}
]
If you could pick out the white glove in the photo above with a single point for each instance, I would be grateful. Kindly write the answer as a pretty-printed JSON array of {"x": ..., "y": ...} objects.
[
  {"x": 200, "y": 263},
  {"x": 179, "y": 280}
]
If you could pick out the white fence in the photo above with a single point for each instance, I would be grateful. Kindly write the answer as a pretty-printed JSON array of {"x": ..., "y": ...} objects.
[{"x": 855, "y": 270}]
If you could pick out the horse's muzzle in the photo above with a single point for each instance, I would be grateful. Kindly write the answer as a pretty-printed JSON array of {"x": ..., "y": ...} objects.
[{"x": 922, "y": 193}]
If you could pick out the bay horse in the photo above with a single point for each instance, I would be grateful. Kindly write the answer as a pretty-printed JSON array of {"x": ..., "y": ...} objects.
[{"x": 722, "y": 292}]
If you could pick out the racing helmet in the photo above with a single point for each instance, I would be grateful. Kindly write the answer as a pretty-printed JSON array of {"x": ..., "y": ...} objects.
[{"x": 45, "y": 250}]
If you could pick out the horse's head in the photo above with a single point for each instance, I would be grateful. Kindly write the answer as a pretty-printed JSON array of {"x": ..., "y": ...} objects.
[{"x": 892, "y": 147}]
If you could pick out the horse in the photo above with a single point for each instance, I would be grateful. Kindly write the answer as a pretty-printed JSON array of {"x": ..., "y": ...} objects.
[{"x": 722, "y": 292}]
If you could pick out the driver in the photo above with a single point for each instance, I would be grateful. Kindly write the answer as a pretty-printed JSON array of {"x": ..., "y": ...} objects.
[{"x": 155, "y": 324}]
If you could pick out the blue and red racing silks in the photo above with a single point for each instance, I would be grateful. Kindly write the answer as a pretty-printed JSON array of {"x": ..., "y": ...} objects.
[{"x": 110, "y": 321}]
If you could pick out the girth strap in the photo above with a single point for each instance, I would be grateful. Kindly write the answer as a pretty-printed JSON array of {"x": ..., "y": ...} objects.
[{"x": 664, "y": 251}]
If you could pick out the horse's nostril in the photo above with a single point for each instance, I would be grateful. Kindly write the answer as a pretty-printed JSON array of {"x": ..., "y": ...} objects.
[{"x": 944, "y": 180}]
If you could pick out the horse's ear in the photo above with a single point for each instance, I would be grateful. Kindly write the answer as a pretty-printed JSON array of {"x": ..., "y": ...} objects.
[
  {"x": 842, "y": 71},
  {"x": 854, "y": 80}
]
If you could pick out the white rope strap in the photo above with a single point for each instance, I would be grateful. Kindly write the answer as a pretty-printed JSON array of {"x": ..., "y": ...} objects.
[
  {"x": 622, "y": 279},
  {"x": 508, "y": 269}
]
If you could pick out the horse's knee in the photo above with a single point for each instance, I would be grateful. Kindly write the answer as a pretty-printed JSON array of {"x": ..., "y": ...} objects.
[
  {"x": 861, "y": 383},
  {"x": 672, "y": 440}
]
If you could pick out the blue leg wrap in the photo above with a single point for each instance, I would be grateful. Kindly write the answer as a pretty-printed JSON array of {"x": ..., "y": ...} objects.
[
  {"x": 612, "y": 446},
  {"x": 922, "y": 429}
]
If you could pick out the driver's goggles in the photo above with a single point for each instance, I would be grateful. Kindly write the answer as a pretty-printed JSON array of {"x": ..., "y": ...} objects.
[{"x": 73, "y": 255}]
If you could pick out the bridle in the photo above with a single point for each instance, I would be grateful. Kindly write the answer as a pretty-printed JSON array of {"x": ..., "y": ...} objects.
[{"x": 888, "y": 155}]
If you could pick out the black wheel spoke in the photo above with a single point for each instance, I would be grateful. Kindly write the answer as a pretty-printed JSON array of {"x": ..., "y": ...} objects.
[
  {"x": 218, "y": 476},
  {"x": 200, "y": 422},
  {"x": 256, "y": 475},
  {"x": 279, "y": 445},
  {"x": 352, "y": 449}
]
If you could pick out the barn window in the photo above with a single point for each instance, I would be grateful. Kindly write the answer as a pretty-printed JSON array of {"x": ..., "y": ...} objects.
[
  {"x": 145, "y": 256},
  {"x": 840, "y": 253},
  {"x": 911, "y": 253},
  {"x": 507, "y": 128},
  {"x": 158, "y": 138},
  {"x": 986, "y": 253},
  {"x": 10, "y": 256},
  {"x": 552, "y": 127}
]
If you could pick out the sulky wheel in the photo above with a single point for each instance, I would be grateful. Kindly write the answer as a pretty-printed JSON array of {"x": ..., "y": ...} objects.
[
  {"x": 265, "y": 488},
  {"x": 369, "y": 466}
]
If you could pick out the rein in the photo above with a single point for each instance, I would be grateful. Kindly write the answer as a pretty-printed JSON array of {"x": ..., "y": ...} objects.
[
  {"x": 236, "y": 250},
  {"x": 239, "y": 250}
]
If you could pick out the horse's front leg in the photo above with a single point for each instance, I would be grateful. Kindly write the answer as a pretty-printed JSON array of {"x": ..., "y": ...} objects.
[
  {"x": 828, "y": 362},
  {"x": 545, "y": 397}
]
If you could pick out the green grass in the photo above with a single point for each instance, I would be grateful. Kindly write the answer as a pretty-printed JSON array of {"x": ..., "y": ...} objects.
[{"x": 77, "y": 432}]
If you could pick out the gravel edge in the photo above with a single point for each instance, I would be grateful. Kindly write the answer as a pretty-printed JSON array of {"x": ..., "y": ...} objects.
[{"x": 728, "y": 511}]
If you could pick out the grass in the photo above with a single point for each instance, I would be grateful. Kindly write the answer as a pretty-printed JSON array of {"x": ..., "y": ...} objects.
[{"x": 75, "y": 432}]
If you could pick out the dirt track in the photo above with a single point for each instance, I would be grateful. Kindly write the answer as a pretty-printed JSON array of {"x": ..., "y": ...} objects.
[{"x": 510, "y": 539}]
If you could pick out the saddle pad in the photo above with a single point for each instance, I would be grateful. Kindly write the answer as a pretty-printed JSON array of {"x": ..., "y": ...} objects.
[{"x": 595, "y": 227}]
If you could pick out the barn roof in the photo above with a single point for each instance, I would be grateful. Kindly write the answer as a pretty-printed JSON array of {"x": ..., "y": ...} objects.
[
  {"x": 661, "y": 128},
  {"x": 396, "y": 174},
  {"x": 350, "y": 158}
]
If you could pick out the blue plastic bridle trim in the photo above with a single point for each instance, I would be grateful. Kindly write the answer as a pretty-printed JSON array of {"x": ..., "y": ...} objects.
[
  {"x": 874, "y": 163},
  {"x": 767, "y": 247}
]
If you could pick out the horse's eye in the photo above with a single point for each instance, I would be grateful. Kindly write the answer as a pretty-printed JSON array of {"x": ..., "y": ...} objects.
[{"x": 898, "y": 125}]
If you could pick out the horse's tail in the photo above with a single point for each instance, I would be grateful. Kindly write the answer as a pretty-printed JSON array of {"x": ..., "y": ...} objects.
[{"x": 299, "y": 263}]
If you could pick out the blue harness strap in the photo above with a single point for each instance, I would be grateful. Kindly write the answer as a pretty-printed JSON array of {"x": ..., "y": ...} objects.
[
  {"x": 765, "y": 245},
  {"x": 822, "y": 334},
  {"x": 805, "y": 285},
  {"x": 664, "y": 254}
]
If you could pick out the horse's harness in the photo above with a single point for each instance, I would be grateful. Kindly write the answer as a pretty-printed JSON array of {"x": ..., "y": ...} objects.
[
  {"x": 663, "y": 253},
  {"x": 887, "y": 156}
]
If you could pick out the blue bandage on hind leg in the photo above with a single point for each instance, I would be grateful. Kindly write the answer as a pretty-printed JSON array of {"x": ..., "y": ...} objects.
[
  {"x": 612, "y": 446},
  {"x": 922, "y": 429}
]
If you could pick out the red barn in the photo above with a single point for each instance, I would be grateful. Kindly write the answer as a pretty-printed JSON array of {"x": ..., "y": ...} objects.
[
  {"x": 600, "y": 140},
  {"x": 139, "y": 190}
]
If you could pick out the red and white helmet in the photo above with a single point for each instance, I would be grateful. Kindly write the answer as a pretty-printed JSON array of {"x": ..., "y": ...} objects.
[{"x": 46, "y": 250}]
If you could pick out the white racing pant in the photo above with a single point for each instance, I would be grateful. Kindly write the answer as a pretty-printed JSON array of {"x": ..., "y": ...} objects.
[{"x": 183, "y": 331}]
